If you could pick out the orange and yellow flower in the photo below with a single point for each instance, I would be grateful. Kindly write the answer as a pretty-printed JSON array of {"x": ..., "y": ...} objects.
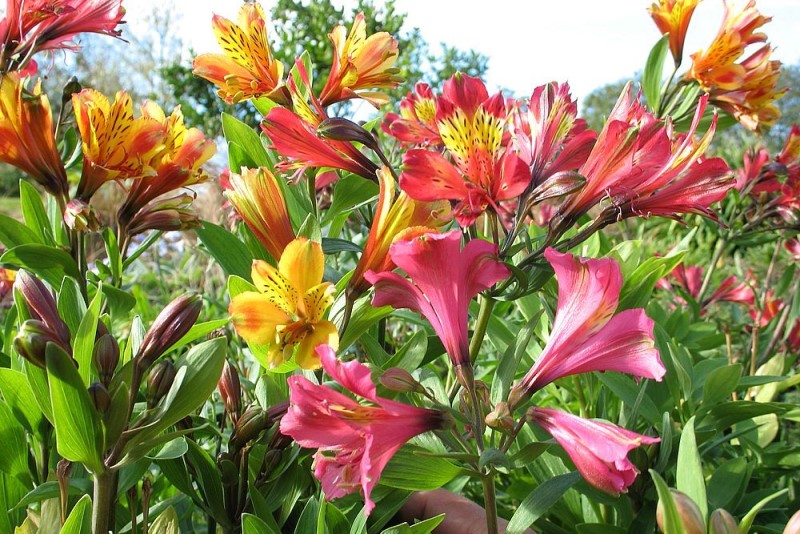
[
  {"x": 673, "y": 16},
  {"x": 397, "y": 217},
  {"x": 257, "y": 198},
  {"x": 747, "y": 89},
  {"x": 286, "y": 313},
  {"x": 361, "y": 65},
  {"x": 247, "y": 69},
  {"x": 26, "y": 134},
  {"x": 115, "y": 144}
]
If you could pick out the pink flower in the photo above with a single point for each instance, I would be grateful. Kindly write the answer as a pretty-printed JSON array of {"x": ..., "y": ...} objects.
[
  {"x": 355, "y": 441},
  {"x": 793, "y": 248},
  {"x": 732, "y": 290},
  {"x": 598, "y": 449},
  {"x": 416, "y": 123},
  {"x": 586, "y": 335},
  {"x": 444, "y": 278}
]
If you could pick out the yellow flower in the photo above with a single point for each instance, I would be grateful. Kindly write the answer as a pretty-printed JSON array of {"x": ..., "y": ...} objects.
[
  {"x": 287, "y": 311},
  {"x": 247, "y": 69},
  {"x": 673, "y": 16}
]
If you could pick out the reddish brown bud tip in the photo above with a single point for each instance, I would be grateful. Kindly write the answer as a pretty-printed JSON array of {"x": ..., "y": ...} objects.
[
  {"x": 252, "y": 422},
  {"x": 100, "y": 397},
  {"x": 171, "y": 324},
  {"x": 231, "y": 391},
  {"x": 722, "y": 522},
  {"x": 106, "y": 357},
  {"x": 397, "y": 379},
  {"x": 31, "y": 341},
  {"x": 159, "y": 381},
  {"x": 689, "y": 513}
]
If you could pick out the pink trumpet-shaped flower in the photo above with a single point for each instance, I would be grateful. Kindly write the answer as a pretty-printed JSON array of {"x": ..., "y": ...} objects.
[
  {"x": 355, "y": 441},
  {"x": 444, "y": 278},
  {"x": 586, "y": 335},
  {"x": 598, "y": 449}
]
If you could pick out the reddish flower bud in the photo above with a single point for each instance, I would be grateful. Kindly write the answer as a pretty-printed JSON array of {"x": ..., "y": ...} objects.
[
  {"x": 231, "y": 391},
  {"x": 159, "y": 381},
  {"x": 500, "y": 417},
  {"x": 80, "y": 216},
  {"x": 31, "y": 341},
  {"x": 253, "y": 421},
  {"x": 722, "y": 522},
  {"x": 396, "y": 379},
  {"x": 42, "y": 306},
  {"x": 341, "y": 129},
  {"x": 106, "y": 357},
  {"x": 100, "y": 397},
  {"x": 690, "y": 515},
  {"x": 171, "y": 324}
]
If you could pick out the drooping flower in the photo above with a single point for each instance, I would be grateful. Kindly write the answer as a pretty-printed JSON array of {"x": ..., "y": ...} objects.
[
  {"x": 355, "y": 441},
  {"x": 397, "y": 218},
  {"x": 257, "y": 198},
  {"x": 416, "y": 123},
  {"x": 287, "y": 310},
  {"x": 444, "y": 279},
  {"x": 247, "y": 68},
  {"x": 792, "y": 246},
  {"x": 690, "y": 278},
  {"x": 485, "y": 172},
  {"x": 31, "y": 26},
  {"x": 732, "y": 290},
  {"x": 176, "y": 165},
  {"x": 27, "y": 140},
  {"x": 746, "y": 89},
  {"x": 171, "y": 214},
  {"x": 115, "y": 144},
  {"x": 763, "y": 315},
  {"x": 361, "y": 65},
  {"x": 672, "y": 17},
  {"x": 597, "y": 448},
  {"x": 586, "y": 335}
]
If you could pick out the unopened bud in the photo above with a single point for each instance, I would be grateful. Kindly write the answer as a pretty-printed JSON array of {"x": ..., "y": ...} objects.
[
  {"x": 271, "y": 460},
  {"x": 100, "y": 397},
  {"x": 171, "y": 324},
  {"x": 397, "y": 379},
  {"x": 341, "y": 129},
  {"x": 159, "y": 381},
  {"x": 722, "y": 522},
  {"x": 42, "y": 306},
  {"x": 690, "y": 516},
  {"x": 106, "y": 357},
  {"x": 31, "y": 341},
  {"x": 500, "y": 417},
  {"x": 231, "y": 391},
  {"x": 793, "y": 526},
  {"x": 80, "y": 216},
  {"x": 252, "y": 422},
  {"x": 70, "y": 88}
]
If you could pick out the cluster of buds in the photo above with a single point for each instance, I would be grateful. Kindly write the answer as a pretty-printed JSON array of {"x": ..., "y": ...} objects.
[
  {"x": 44, "y": 326},
  {"x": 691, "y": 518},
  {"x": 253, "y": 421}
]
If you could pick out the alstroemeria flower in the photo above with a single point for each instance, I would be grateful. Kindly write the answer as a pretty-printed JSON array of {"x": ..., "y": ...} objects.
[
  {"x": 296, "y": 139},
  {"x": 247, "y": 68},
  {"x": 176, "y": 165},
  {"x": 26, "y": 134},
  {"x": 31, "y": 26},
  {"x": 732, "y": 290},
  {"x": 549, "y": 135},
  {"x": 690, "y": 278},
  {"x": 792, "y": 246},
  {"x": 587, "y": 336},
  {"x": 288, "y": 308},
  {"x": 361, "y": 65},
  {"x": 772, "y": 307},
  {"x": 444, "y": 279},
  {"x": 398, "y": 217},
  {"x": 672, "y": 17},
  {"x": 355, "y": 441},
  {"x": 747, "y": 89},
  {"x": 597, "y": 448},
  {"x": 115, "y": 144},
  {"x": 416, "y": 123},
  {"x": 471, "y": 125},
  {"x": 257, "y": 198},
  {"x": 170, "y": 214}
]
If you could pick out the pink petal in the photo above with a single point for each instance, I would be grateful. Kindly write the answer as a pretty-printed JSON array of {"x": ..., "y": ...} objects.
[{"x": 353, "y": 375}]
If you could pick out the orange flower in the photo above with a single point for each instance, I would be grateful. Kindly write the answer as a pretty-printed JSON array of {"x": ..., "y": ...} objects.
[
  {"x": 396, "y": 218},
  {"x": 115, "y": 144},
  {"x": 746, "y": 89},
  {"x": 257, "y": 198},
  {"x": 360, "y": 63},
  {"x": 672, "y": 16},
  {"x": 247, "y": 69},
  {"x": 26, "y": 134},
  {"x": 287, "y": 310}
]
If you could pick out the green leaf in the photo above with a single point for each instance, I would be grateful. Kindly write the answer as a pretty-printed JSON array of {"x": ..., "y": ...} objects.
[
  {"x": 653, "y": 72},
  {"x": 14, "y": 460},
  {"x": 310, "y": 229},
  {"x": 37, "y": 379},
  {"x": 539, "y": 501},
  {"x": 113, "y": 253},
  {"x": 79, "y": 437},
  {"x": 720, "y": 383},
  {"x": 80, "y": 518},
  {"x": 364, "y": 316},
  {"x": 119, "y": 302},
  {"x": 34, "y": 213},
  {"x": 208, "y": 479},
  {"x": 19, "y": 397},
  {"x": 728, "y": 483},
  {"x": 724, "y": 415},
  {"x": 71, "y": 306},
  {"x": 308, "y": 519},
  {"x": 48, "y": 263},
  {"x": 747, "y": 520},
  {"x": 254, "y": 525},
  {"x": 414, "y": 472},
  {"x": 672, "y": 520},
  {"x": 171, "y": 450},
  {"x": 422, "y": 527},
  {"x": 198, "y": 331},
  {"x": 13, "y": 233},
  {"x": 231, "y": 254},
  {"x": 639, "y": 284},
  {"x": 83, "y": 344},
  {"x": 689, "y": 476},
  {"x": 349, "y": 193},
  {"x": 247, "y": 139},
  {"x": 331, "y": 245}
]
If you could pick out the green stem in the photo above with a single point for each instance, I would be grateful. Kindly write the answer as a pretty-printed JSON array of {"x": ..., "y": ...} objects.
[
  {"x": 490, "y": 502},
  {"x": 102, "y": 501},
  {"x": 722, "y": 244},
  {"x": 481, "y": 324}
]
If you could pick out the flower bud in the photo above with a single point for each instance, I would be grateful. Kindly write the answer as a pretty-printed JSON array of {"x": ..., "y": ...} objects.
[
  {"x": 80, "y": 216},
  {"x": 271, "y": 460},
  {"x": 42, "y": 306},
  {"x": 397, "y": 379},
  {"x": 252, "y": 422},
  {"x": 231, "y": 391},
  {"x": 70, "y": 88},
  {"x": 500, "y": 417},
  {"x": 100, "y": 397},
  {"x": 106, "y": 357},
  {"x": 341, "y": 129},
  {"x": 159, "y": 381},
  {"x": 793, "y": 526},
  {"x": 722, "y": 522},
  {"x": 31, "y": 341},
  {"x": 689, "y": 513},
  {"x": 171, "y": 324}
]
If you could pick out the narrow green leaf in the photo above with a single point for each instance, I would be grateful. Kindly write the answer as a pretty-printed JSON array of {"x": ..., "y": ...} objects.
[
  {"x": 672, "y": 520},
  {"x": 71, "y": 306},
  {"x": 80, "y": 518},
  {"x": 37, "y": 380},
  {"x": 720, "y": 383},
  {"x": 747, "y": 520},
  {"x": 208, "y": 479},
  {"x": 539, "y": 501},
  {"x": 653, "y": 72},
  {"x": 83, "y": 344},
  {"x": 415, "y": 472},
  {"x": 198, "y": 331},
  {"x": 690, "y": 478},
  {"x": 13, "y": 233},
  {"x": 48, "y": 263},
  {"x": 14, "y": 460},
  {"x": 231, "y": 254},
  {"x": 34, "y": 213},
  {"x": 243, "y": 135},
  {"x": 254, "y": 525},
  {"x": 422, "y": 527}
]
